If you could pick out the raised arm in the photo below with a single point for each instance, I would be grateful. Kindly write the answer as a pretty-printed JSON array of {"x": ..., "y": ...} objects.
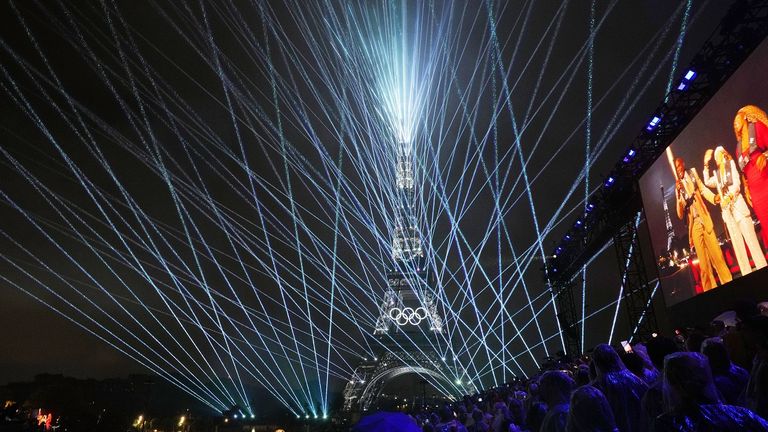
[
  {"x": 709, "y": 180},
  {"x": 705, "y": 192},
  {"x": 679, "y": 200}
]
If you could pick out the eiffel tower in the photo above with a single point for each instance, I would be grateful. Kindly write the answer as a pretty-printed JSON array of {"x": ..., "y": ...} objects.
[
  {"x": 668, "y": 223},
  {"x": 408, "y": 314}
]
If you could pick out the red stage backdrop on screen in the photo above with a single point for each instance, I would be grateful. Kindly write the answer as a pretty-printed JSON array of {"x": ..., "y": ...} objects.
[{"x": 706, "y": 198}]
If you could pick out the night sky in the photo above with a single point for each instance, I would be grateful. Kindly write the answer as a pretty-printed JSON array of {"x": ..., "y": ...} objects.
[{"x": 140, "y": 112}]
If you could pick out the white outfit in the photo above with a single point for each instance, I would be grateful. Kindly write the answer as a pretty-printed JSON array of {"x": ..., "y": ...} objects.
[{"x": 736, "y": 216}]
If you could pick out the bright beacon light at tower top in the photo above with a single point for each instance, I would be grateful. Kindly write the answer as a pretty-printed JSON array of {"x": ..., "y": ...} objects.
[
  {"x": 400, "y": 109},
  {"x": 399, "y": 98},
  {"x": 400, "y": 70}
]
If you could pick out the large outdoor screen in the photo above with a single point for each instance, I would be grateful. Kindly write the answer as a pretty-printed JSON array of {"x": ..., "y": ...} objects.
[{"x": 706, "y": 198}]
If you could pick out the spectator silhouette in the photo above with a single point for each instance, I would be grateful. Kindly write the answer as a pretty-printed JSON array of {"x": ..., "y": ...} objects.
[
  {"x": 621, "y": 387},
  {"x": 653, "y": 401},
  {"x": 582, "y": 376},
  {"x": 590, "y": 411},
  {"x": 692, "y": 402},
  {"x": 730, "y": 379},
  {"x": 555, "y": 389},
  {"x": 755, "y": 336}
]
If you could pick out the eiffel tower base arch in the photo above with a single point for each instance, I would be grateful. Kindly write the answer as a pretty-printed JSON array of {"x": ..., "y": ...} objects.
[{"x": 369, "y": 378}]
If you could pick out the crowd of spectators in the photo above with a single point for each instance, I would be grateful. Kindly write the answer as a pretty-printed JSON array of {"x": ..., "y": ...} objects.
[{"x": 713, "y": 379}]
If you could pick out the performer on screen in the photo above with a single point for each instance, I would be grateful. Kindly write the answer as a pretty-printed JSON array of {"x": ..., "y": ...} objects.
[
  {"x": 751, "y": 128},
  {"x": 690, "y": 194},
  {"x": 736, "y": 216}
]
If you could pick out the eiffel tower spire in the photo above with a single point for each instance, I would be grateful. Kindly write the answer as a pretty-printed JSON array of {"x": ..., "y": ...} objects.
[{"x": 667, "y": 220}]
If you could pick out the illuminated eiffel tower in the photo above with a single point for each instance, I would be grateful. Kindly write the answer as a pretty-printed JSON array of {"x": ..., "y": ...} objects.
[
  {"x": 408, "y": 278},
  {"x": 408, "y": 314},
  {"x": 668, "y": 222}
]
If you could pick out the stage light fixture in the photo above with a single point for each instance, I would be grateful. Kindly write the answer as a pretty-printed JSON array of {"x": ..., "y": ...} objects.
[
  {"x": 630, "y": 155},
  {"x": 653, "y": 123},
  {"x": 689, "y": 76},
  {"x": 609, "y": 181}
]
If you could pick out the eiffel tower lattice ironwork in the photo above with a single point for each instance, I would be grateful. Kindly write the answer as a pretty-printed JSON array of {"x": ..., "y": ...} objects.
[{"x": 409, "y": 314}]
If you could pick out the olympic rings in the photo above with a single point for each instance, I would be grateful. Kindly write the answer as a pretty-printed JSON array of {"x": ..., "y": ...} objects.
[{"x": 408, "y": 315}]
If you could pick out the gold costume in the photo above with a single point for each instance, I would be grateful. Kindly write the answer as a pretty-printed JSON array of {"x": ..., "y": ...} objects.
[{"x": 701, "y": 235}]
